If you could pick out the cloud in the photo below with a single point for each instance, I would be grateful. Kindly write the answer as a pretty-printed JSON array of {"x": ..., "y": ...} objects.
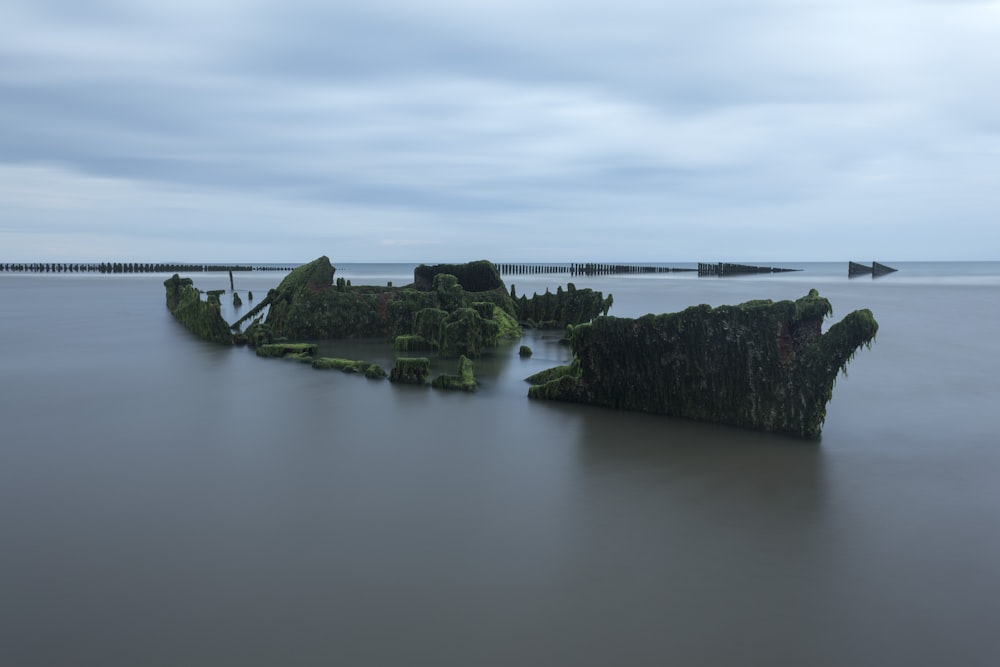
[{"x": 487, "y": 124}]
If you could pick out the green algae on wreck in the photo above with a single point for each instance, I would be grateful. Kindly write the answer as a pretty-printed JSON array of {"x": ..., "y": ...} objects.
[
  {"x": 478, "y": 276},
  {"x": 562, "y": 308},
  {"x": 449, "y": 309},
  {"x": 375, "y": 372},
  {"x": 202, "y": 318},
  {"x": 410, "y": 370},
  {"x": 465, "y": 380},
  {"x": 445, "y": 316},
  {"x": 761, "y": 365},
  {"x": 345, "y": 365},
  {"x": 296, "y": 351}
]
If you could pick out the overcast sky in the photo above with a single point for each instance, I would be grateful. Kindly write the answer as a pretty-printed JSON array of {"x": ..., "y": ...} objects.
[{"x": 384, "y": 130}]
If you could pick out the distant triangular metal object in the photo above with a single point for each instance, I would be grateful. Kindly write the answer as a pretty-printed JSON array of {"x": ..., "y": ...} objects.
[
  {"x": 881, "y": 269},
  {"x": 856, "y": 269}
]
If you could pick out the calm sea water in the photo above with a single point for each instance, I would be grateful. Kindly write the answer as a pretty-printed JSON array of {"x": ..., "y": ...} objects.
[{"x": 168, "y": 502}]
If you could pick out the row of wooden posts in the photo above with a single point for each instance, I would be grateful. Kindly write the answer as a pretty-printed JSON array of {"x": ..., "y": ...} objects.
[
  {"x": 590, "y": 269},
  {"x": 582, "y": 269},
  {"x": 131, "y": 267},
  {"x": 727, "y": 269}
]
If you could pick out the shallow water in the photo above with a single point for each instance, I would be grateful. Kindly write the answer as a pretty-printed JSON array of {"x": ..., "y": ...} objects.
[{"x": 164, "y": 501}]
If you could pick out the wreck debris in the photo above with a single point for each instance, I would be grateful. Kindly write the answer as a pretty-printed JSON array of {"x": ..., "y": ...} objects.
[
  {"x": 373, "y": 371},
  {"x": 410, "y": 370},
  {"x": 447, "y": 317},
  {"x": 464, "y": 381},
  {"x": 296, "y": 351},
  {"x": 478, "y": 276},
  {"x": 761, "y": 365},
  {"x": 450, "y": 309},
  {"x": 563, "y": 308},
  {"x": 202, "y": 318}
]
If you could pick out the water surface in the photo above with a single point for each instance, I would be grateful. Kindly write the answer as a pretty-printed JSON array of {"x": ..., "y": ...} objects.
[{"x": 164, "y": 501}]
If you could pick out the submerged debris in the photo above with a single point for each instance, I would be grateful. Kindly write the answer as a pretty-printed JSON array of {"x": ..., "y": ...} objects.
[
  {"x": 464, "y": 381},
  {"x": 410, "y": 370}
]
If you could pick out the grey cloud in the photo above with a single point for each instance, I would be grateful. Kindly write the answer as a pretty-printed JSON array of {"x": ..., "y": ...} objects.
[{"x": 515, "y": 111}]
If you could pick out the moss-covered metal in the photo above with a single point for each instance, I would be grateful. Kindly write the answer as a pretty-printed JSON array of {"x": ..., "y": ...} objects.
[
  {"x": 375, "y": 372},
  {"x": 507, "y": 326},
  {"x": 202, "y": 318},
  {"x": 542, "y": 378},
  {"x": 414, "y": 343},
  {"x": 762, "y": 365},
  {"x": 562, "y": 308},
  {"x": 447, "y": 318},
  {"x": 336, "y": 363},
  {"x": 410, "y": 370},
  {"x": 477, "y": 276},
  {"x": 287, "y": 350},
  {"x": 465, "y": 380},
  {"x": 465, "y": 332}
]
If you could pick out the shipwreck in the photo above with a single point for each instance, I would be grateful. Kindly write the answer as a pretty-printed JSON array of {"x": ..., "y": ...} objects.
[
  {"x": 450, "y": 311},
  {"x": 762, "y": 365}
]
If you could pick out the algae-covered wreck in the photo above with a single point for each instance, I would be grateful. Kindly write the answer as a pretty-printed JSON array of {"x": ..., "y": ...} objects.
[
  {"x": 450, "y": 311},
  {"x": 759, "y": 365},
  {"x": 202, "y": 318}
]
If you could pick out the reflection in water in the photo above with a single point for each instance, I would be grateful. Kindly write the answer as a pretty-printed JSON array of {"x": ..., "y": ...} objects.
[{"x": 678, "y": 528}]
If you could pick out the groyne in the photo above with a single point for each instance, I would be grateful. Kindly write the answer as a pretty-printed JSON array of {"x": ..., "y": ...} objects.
[
  {"x": 133, "y": 267},
  {"x": 723, "y": 269},
  {"x": 583, "y": 269}
]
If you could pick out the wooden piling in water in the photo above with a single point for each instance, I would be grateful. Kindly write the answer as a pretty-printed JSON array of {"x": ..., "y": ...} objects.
[
  {"x": 723, "y": 269},
  {"x": 132, "y": 267},
  {"x": 584, "y": 269}
]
